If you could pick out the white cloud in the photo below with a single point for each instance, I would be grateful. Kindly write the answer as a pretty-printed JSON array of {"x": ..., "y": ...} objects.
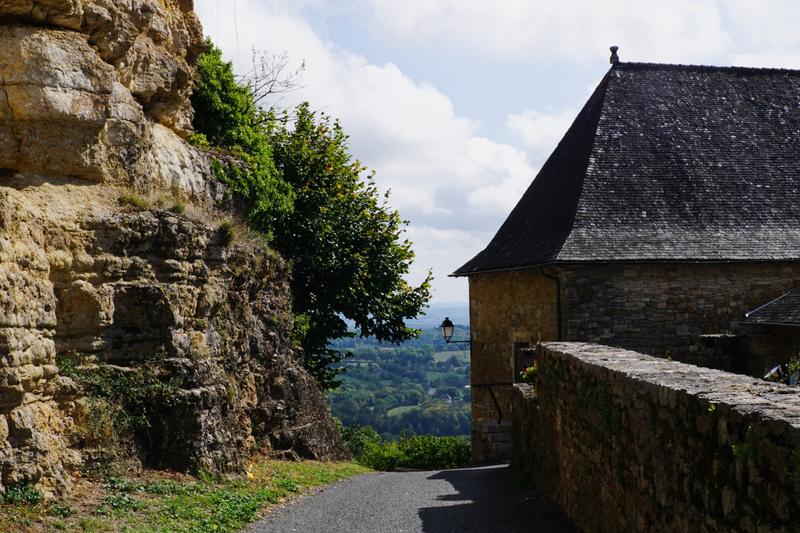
[
  {"x": 761, "y": 26},
  {"x": 406, "y": 130},
  {"x": 430, "y": 157},
  {"x": 739, "y": 32},
  {"x": 444, "y": 250},
  {"x": 541, "y": 131},
  {"x": 514, "y": 175},
  {"x": 653, "y": 30}
]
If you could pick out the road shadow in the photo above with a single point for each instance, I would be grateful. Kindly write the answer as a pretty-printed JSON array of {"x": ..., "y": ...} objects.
[{"x": 491, "y": 503}]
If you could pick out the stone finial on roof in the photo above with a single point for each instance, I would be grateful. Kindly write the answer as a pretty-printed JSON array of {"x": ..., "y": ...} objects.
[{"x": 614, "y": 57}]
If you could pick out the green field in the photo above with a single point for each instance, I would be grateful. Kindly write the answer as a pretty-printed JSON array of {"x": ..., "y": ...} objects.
[
  {"x": 397, "y": 411},
  {"x": 462, "y": 355}
]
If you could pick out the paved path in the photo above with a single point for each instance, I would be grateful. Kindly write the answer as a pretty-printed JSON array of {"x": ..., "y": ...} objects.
[{"x": 463, "y": 500}]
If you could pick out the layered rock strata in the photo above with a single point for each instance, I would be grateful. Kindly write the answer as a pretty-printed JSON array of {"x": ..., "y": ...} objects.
[
  {"x": 99, "y": 90},
  {"x": 94, "y": 104}
]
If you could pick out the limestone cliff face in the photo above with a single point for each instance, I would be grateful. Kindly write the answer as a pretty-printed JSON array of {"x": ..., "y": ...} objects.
[
  {"x": 93, "y": 103},
  {"x": 97, "y": 89}
]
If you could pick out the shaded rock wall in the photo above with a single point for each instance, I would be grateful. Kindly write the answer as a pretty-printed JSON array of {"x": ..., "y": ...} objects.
[
  {"x": 220, "y": 319},
  {"x": 78, "y": 275},
  {"x": 623, "y": 441}
]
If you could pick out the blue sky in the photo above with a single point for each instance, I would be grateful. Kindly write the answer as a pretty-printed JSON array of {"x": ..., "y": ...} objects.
[{"x": 457, "y": 103}]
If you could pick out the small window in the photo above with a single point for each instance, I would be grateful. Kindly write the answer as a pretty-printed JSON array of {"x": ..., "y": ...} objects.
[{"x": 524, "y": 356}]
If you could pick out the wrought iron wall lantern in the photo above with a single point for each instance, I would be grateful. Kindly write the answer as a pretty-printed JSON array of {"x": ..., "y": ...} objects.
[{"x": 447, "y": 332}]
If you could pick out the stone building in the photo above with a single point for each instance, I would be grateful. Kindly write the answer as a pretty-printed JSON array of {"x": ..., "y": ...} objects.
[{"x": 668, "y": 210}]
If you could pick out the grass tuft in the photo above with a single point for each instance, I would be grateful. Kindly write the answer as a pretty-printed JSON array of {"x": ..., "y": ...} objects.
[
  {"x": 131, "y": 199},
  {"x": 179, "y": 208},
  {"x": 226, "y": 233}
]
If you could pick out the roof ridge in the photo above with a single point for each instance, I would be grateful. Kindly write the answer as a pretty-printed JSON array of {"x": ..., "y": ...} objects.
[{"x": 635, "y": 65}]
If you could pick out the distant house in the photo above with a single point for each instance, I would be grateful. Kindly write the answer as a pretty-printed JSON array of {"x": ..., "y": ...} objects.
[{"x": 669, "y": 209}]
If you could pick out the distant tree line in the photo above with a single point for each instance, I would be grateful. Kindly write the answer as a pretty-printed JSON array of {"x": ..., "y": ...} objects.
[{"x": 413, "y": 388}]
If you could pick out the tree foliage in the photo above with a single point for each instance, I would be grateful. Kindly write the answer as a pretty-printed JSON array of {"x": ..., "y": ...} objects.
[
  {"x": 346, "y": 245},
  {"x": 227, "y": 117},
  {"x": 323, "y": 212}
]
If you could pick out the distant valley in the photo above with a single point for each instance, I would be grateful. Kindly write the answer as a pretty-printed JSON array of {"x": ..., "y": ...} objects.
[{"x": 420, "y": 386}]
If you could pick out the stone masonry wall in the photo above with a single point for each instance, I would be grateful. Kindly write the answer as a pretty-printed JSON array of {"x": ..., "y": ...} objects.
[
  {"x": 505, "y": 308},
  {"x": 623, "y": 441},
  {"x": 662, "y": 309},
  {"x": 659, "y": 309}
]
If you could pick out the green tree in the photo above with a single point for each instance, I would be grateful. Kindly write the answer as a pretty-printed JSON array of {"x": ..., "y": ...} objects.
[
  {"x": 321, "y": 210},
  {"x": 227, "y": 117},
  {"x": 346, "y": 244}
]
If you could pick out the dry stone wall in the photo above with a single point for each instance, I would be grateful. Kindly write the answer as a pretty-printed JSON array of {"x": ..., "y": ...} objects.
[{"x": 623, "y": 441}]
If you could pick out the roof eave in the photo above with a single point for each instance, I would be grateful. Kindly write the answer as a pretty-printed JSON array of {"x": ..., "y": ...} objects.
[{"x": 685, "y": 261}]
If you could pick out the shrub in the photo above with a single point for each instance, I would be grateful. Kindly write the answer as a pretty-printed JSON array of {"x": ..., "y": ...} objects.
[
  {"x": 227, "y": 117},
  {"x": 178, "y": 208},
  {"x": 357, "y": 438},
  {"x": 385, "y": 456},
  {"x": 414, "y": 451},
  {"x": 428, "y": 452},
  {"x": 22, "y": 493}
]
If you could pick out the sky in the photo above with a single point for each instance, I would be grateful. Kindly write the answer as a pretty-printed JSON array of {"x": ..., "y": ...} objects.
[{"x": 456, "y": 104}]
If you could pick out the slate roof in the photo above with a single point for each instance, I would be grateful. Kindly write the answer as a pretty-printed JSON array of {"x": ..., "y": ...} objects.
[
  {"x": 666, "y": 163},
  {"x": 784, "y": 310}
]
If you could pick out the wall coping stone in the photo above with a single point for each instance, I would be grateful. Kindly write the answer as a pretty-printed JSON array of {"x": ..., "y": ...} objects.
[{"x": 745, "y": 394}]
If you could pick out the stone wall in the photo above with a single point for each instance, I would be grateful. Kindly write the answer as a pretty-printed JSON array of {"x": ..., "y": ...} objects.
[
  {"x": 659, "y": 309},
  {"x": 506, "y": 309},
  {"x": 623, "y": 441},
  {"x": 662, "y": 309}
]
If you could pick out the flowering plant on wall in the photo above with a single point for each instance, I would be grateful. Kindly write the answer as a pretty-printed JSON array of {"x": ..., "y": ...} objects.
[{"x": 528, "y": 375}]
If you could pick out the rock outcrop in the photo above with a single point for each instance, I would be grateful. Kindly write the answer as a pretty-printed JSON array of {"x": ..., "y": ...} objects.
[
  {"x": 98, "y": 89},
  {"x": 94, "y": 101}
]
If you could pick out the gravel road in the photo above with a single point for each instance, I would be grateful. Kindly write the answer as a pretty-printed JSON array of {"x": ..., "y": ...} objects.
[{"x": 463, "y": 500}]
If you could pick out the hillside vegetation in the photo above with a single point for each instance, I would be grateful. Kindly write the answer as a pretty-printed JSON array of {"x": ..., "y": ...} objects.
[{"x": 417, "y": 387}]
